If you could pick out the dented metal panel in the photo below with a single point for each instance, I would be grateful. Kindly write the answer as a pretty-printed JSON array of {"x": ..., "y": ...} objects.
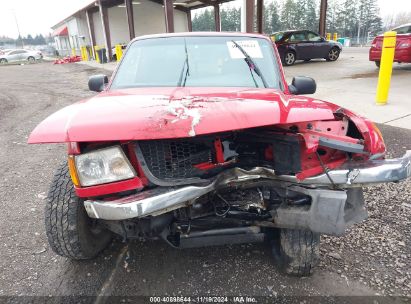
[{"x": 135, "y": 114}]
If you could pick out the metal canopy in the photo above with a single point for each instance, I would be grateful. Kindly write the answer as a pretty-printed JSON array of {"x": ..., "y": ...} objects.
[{"x": 251, "y": 19}]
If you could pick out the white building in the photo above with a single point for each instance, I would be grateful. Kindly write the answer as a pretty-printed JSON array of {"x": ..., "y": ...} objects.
[{"x": 105, "y": 23}]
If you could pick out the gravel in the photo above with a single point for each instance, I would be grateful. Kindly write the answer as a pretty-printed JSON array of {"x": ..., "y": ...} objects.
[
  {"x": 372, "y": 258},
  {"x": 377, "y": 252}
]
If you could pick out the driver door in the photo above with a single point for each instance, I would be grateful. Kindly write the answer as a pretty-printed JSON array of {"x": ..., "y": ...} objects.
[
  {"x": 301, "y": 45},
  {"x": 13, "y": 56},
  {"x": 320, "y": 46}
]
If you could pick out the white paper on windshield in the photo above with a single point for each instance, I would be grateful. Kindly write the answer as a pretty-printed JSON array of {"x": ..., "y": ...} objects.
[{"x": 251, "y": 47}]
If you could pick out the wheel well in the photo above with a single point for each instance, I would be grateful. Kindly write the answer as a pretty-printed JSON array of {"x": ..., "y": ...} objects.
[{"x": 291, "y": 51}]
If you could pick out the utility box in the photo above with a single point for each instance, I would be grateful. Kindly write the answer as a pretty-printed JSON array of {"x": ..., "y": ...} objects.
[{"x": 102, "y": 55}]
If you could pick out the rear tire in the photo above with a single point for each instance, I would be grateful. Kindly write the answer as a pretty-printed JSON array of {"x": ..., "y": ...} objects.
[
  {"x": 333, "y": 54},
  {"x": 296, "y": 251},
  {"x": 377, "y": 63},
  {"x": 3, "y": 61},
  {"x": 70, "y": 232},
  {"x": 289, "y": 58}
]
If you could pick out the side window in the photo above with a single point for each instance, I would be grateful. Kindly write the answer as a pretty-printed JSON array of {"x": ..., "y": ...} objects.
[
  {"x": 297, "y": 37},
  {"x": 313, "y": 37},
  {"x": 13, "y": 53},
  {"x": 403, "y": 30}
]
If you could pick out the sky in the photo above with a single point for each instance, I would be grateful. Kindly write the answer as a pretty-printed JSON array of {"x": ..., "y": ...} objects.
[{"x": 37, "y": 16}]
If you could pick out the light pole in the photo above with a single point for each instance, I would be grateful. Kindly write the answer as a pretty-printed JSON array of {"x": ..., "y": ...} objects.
[{"x": 18, "y": 28}]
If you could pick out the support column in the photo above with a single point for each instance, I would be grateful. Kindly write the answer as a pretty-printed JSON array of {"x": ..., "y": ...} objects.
[
  {"x": 249, "y": 16},
  {"x": 260, "y": 17},
  {"x": 169, "y": 15},
  {"x": 106, "y": 29},
  {"x": 323, "y": 17},
  {"x": 189, "y": 23},
  {"x": 130, "y": 18},
  {"x": 217, "y": 18},
  {"x": 91, "y": 33}
]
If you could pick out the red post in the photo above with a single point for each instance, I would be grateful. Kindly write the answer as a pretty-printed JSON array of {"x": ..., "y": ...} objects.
[
  {"x": 260, "y": 7},
  {"x": 189, "y": 23},
  {"x": 130, "y": 18},
  {"x": 323, "y": 17},
  {"x": 169, "y": 15},
  {"x": 249, "y": 18},
  {"x": 217, "y": 19}
]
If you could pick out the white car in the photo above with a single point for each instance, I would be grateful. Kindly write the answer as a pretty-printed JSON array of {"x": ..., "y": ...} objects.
[{"x": 20, "y": 55}]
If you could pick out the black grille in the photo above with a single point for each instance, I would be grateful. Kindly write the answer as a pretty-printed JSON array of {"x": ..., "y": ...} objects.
[{"x": 174, "y": 159}]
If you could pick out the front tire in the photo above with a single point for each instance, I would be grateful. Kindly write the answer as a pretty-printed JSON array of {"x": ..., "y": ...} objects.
[
  {"x": 3, "y": 61},
  {"x": 296, "y": 252},
  {"x": 31, "y": 59},
  {"x": 70, "y": 232},
  {"x": 333, "y": 54},
  {"x": 289, "y": 58}
]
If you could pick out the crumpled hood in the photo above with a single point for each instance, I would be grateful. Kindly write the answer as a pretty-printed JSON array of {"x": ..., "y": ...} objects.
[{"x": 158, "y": 113}]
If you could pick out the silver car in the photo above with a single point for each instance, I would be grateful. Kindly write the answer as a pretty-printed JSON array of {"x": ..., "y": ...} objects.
[{"x": 20, "y": 55}]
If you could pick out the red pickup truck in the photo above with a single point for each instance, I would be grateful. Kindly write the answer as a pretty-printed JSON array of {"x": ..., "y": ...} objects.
[
  {"x": 198, "y": 140},
  {"x": 402, "y": 46}
]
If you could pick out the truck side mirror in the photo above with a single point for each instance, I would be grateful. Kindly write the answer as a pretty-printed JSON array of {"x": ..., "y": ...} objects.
[
  {"x": 97, "y": 83},
  {"x": 302, "y": 85}
]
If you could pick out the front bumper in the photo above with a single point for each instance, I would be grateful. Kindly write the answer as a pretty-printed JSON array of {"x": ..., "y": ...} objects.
[{"x": 164, "y": 199}]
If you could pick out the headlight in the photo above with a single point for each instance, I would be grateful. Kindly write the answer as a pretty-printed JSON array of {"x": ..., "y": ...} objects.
[{"x": 103, "y": 166}]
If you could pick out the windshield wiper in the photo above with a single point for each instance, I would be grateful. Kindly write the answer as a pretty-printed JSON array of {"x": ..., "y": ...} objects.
[
  {"x": 252, "y": 65},
  {"x": 181, "y": 82}
]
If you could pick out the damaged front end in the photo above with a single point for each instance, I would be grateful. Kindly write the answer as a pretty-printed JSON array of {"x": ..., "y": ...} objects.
[{"x": 232, "y": 187}]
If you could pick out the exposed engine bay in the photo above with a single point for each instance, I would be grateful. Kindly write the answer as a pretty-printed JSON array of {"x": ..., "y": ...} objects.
[{"x": 217, "y": 185}]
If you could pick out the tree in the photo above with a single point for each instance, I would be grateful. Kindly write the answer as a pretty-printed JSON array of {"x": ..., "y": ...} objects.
[
  {"x": 39, "y": 40},
  {"x": 204, "y": 21},
  {"x": 272, "y": 21},
  {"x": 230, "y": 19},
  {"x": 311, "y": 18},
  {"x": 288, "y": 18}
]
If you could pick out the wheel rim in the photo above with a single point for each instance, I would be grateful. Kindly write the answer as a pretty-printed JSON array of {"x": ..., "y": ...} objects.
[
  {"x": 333, "y": 54},
  {"x": 2, "y": 61},
  {"x": 289, "y": 58},
  {"x": 31, "y": 59}
]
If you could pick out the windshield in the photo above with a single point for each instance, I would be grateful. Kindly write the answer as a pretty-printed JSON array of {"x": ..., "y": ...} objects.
[{"x": 198, "y": 62}]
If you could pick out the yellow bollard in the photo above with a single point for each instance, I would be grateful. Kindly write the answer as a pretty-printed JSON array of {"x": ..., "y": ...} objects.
[
  {"x": 119, "y": 52},
  {"x": 84, "y": 54},
  {"x": 335, "y": 37},
  {"x": 387, "y": 59},
  {"x": 328, "y": 36},
  {"x": 96, "y": 48},
  {"x": 73, "y": 52}
]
